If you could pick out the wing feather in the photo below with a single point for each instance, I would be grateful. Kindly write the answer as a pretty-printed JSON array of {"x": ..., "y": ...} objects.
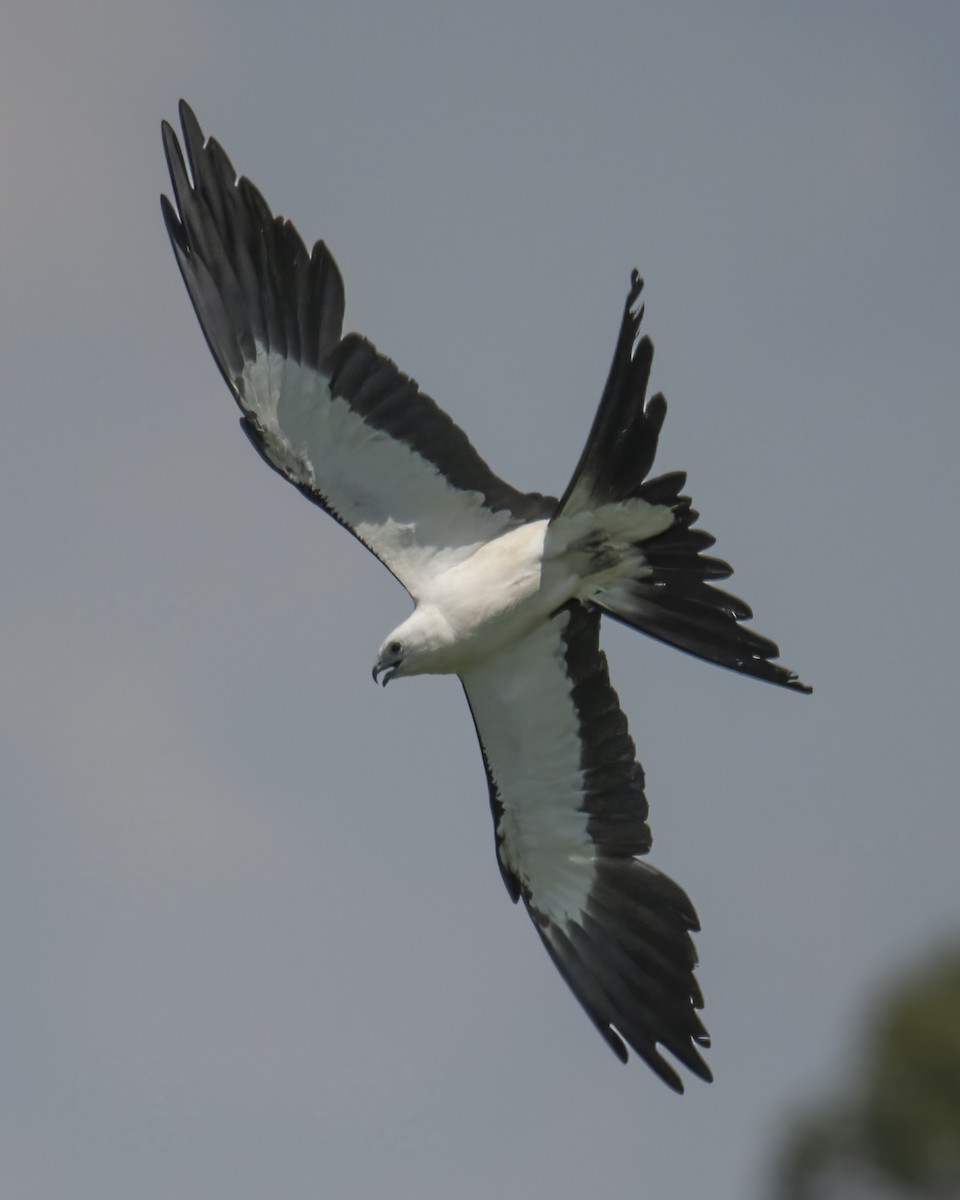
[
  {"x": 329, "y": 413},
  {"x": 570, "y": 820},
  {"x": 671, "y": 598}
]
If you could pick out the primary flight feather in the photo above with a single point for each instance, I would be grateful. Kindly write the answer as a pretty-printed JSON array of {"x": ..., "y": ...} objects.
[{"x": 508, "y": 586}]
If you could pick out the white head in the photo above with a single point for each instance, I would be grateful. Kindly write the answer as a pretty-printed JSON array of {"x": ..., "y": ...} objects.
[{"x": 415, "y": 647}]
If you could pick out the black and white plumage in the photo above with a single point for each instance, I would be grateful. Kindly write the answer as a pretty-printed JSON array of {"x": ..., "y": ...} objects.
[{"x": 509, "y": 587}]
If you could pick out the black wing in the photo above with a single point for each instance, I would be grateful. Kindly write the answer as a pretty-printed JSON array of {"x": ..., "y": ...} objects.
[
  {"x": 570, "y": 818},
  {"x": 330, "y": 413}
]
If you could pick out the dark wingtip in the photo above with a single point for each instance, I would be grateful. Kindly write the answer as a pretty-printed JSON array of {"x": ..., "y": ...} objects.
[
  {"x": 193, "y": 138},
  {"x": 632, "y": 309},
  {"x": 614, "y": 1041},
  {"x": 673, "y": 1080},
  {"x": 175, "y": 229},
  {"x": 188, "y": 117},
  {"x": 656, "y": 410}
]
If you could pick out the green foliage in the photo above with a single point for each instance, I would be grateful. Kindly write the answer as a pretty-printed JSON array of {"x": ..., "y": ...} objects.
[{"x": 899, "y": 1129}]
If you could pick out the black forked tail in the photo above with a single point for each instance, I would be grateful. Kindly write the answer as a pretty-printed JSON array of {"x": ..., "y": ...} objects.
[
  {"x": 672, "y": 596},
  {"x": 623, "y": 438}
]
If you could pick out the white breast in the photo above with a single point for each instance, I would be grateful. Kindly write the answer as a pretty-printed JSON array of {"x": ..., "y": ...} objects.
[{"x": 498, "y": 594}]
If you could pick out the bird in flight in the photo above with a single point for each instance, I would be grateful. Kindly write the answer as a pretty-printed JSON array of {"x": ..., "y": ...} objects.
[{"x": 509, "y": 587}]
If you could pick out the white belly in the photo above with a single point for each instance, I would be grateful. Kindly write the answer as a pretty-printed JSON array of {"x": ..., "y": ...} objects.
[{"x": 498, "y": 595}]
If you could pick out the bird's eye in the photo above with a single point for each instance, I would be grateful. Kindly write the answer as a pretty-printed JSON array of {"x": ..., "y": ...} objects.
[{"x": 395, "y": 647}]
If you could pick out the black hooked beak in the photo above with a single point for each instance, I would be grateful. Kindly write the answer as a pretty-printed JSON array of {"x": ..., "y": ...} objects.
[{"x": 388, "y": 673}]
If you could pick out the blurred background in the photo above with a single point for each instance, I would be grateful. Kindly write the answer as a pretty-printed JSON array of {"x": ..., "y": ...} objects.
[{"x": 254, "y": 938}]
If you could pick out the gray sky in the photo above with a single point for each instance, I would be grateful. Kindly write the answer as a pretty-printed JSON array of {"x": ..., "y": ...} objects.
[{"x": 255, "y": 942}]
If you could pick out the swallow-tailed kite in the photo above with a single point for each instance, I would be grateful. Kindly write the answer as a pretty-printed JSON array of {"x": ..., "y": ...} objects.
[{"x": 508, "y": 587}]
